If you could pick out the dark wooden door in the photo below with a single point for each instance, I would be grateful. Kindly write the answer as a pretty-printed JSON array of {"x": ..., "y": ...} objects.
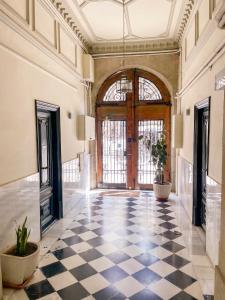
[
  {"x": 204, "y": 162},
  {"x": 123, "y": 162},
  {"x": 200, "y": 162},
  {"x": 47, "y": 209}
]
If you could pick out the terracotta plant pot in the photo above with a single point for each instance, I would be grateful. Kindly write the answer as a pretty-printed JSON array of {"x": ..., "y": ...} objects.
[
  {"x": 162, "y": 191},
  {"x": 17, "y": 270}
]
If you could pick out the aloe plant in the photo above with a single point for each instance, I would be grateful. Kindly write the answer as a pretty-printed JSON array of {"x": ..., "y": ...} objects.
[{"x": 22, "y": 235}]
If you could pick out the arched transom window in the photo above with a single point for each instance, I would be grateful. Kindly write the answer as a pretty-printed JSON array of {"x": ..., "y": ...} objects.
[
  {"x": 112, "y": 95},
  {"x": 148, "y": 91},
  {"x": 147, "y": 87}
]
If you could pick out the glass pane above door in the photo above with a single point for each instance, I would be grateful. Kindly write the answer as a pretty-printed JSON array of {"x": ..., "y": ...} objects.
[
  {"x": 114, "y": 152},
  {"x": 146, "y": 169}
]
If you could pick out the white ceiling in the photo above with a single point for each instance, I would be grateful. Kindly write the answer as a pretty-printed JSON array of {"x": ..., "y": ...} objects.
[{"x": 101, "y": 20}]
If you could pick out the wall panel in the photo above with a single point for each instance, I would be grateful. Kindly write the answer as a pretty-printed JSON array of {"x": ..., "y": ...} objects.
[
  {"x": 67, "y": 46},
  {"x": 190, "y": 39},
  {"x": 204, "y": 15},
  {"x": 45, "y": 23},
  {"x": 19, "y": 7}
]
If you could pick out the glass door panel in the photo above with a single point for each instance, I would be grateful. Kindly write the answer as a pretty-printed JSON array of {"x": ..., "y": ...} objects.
[
  {"x": 146, "y": 169},
  {"x": 114, "y": 163}
]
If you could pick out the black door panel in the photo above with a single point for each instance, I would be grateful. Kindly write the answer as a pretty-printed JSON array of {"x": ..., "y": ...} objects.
[{"x": 47, "y": 208}]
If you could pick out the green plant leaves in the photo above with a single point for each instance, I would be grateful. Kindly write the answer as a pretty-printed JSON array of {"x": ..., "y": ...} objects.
[
  {"x": 158, "y": 152},
  {"x": 22, "y": 235}
]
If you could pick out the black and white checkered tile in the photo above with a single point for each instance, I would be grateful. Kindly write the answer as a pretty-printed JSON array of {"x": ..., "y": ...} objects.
[{"x": 118, "y": 248}]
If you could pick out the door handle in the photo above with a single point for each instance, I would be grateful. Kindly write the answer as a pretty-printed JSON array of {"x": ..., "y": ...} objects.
[{"x": 126, "y": 154}]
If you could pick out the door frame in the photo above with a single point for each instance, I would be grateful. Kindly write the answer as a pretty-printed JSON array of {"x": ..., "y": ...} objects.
[
  {"x": 130, "y": 110},
  {"x": 197, "y": 205},
  {"x": 54, "y": 110}
]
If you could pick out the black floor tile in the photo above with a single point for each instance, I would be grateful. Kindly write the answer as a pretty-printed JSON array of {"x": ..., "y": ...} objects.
[
  {"x": 73, "y": 292},
  {"x": 100, "y": 231},
  {"x": 180, "y": 279},
  {"x": 73, "y": 240},
  {"x": 85, "y": 221},
  {"x": 167, "y": 225},
  {"x": 53, "y": 269},
  {"x": 146, "y": 259},
  {"x": 163, "y": 205},
  {"x": 64, "y": 253},
  {"x": 164, "y": 211},
  {"x": 118, "y": 257},
  {"x": 171, "y": 235},
  {"x": 90, "y": 255},
  {"x": 166, "y": 218},
  {"x": 146, "y": 276},
  {"x": 95, "y": 242},
  {"x": 109, "y": 293},
  {"x": 145, "y": 294},
  {"x": 83, "y": 272},
  {"x": 172, "y": 246},
  {"x": 183, "y": 296},
  {"x": 176, "y": 261},
  {"x": 39, "y": 290},
  {"x": 80, "y": 229},
  {"x": 114, "y": 274}
]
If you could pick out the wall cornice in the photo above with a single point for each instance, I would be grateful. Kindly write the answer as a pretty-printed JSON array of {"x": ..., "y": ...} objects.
[
  {"x": 132, "y": 48},
  {"x": 70, "y": 21},
  {"x": 184, "y": 21}
]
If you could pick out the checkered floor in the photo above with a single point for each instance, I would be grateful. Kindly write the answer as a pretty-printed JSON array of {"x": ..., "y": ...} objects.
[{"x": 118, "y": 248}]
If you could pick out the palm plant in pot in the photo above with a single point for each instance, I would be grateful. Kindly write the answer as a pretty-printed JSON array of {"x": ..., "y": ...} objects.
[
  {"x": 20, "y": 261},
  {"x": 155, "y": 142}
]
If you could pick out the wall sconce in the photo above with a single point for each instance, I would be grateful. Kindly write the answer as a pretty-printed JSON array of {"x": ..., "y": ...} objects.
[
  {"x": 188, "y": 112},
  {"x": 69, "y": 115}
]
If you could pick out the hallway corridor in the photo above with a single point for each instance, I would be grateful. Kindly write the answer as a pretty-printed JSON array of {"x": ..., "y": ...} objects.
[{"x": 121, "y": 247}]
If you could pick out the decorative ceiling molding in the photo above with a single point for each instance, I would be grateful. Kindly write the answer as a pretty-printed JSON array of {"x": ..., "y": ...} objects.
[
  {"x": 130, "y": 22},
  {"x": 162, "y": 42},
  {"x": 131, "y": 47},
  {"x": 186, "y": 16},
  {"x": 70, "y": 21}
]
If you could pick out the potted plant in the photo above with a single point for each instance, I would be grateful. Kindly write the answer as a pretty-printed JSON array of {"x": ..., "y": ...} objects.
[
  {"x": 158, "y": 149},
  {"x": 20, "y": 261}
]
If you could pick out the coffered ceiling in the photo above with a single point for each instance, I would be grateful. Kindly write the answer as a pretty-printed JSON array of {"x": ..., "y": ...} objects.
[{"x": 146, "y": 22}]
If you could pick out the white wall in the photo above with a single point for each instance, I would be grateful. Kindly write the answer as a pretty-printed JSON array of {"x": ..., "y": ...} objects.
[
  {"x": 34, "y": 68},
  {"x": 40, "y": 58},
  {"x": 201, "y": 61},
  {"x": 197, "y": 53}
]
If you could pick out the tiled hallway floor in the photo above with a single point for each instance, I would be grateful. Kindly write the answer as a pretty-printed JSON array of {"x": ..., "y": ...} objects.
[{"x": 119, "y": 248}]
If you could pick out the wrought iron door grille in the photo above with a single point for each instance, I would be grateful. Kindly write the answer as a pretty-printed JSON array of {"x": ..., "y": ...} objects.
[
  {"x": 114, "y": 149},
  {"x": 146, "y": 169},
  {"x": 148, "y": 91},
  {"x": 112, "y": 95}
]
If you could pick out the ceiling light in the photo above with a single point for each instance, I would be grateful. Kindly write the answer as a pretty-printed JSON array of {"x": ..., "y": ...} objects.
[{"x": 124, "y": 85}]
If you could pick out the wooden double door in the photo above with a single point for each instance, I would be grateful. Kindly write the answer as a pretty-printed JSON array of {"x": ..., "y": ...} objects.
[{"x": 123, "y": 160}]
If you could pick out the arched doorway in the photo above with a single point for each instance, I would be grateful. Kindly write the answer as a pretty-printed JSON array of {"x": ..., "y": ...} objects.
[{"x": 123, "y": 161}]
